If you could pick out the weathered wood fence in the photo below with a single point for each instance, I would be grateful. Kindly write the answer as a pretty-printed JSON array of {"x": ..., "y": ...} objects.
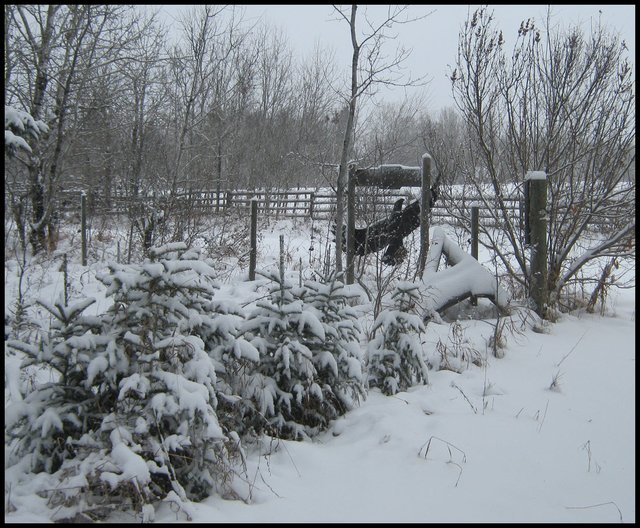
[{"x": 316, "y": 204}]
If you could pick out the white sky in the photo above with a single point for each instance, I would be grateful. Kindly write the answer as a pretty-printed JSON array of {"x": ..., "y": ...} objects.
[{"x": 433, "y": 39}]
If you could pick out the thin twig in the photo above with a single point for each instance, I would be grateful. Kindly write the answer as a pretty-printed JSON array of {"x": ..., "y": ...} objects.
[
  {"x": 475, "y": 411},
  {"x": 573, "y": 348},
  {"x": 428, "y": 444},
  {"x": 595, "y": 506},
  {"x": 543, "y": 416},
  {"x": 291, "y": 458},
  {"x": 459, "y": 474}
]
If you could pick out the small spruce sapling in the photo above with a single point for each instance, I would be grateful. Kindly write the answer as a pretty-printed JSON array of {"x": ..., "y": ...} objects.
[
  {"x": 51, "y": 414},
  {"x": 283, "y": 386},
  {"x": 165, "y": 408},
  {"x": 394, "y": 355},
  {"x": 234, "y": 359},
  {"x": 337, "y": 358}
]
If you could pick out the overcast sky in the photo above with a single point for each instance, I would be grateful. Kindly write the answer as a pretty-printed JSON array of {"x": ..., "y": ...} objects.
[{"x": 433, "y": 39}]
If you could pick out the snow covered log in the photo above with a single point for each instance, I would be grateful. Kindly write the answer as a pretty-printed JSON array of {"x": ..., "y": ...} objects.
[{"x": 465, "y": 277}]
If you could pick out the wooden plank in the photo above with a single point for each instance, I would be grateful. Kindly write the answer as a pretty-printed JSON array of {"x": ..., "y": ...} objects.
[{"x": 388, "y": 177}]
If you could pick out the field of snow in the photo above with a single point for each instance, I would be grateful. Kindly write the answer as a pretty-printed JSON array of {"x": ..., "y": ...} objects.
[{"x": 544, "y": 434}]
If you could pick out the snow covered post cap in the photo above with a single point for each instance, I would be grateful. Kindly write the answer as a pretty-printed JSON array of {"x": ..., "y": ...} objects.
[{"x": 535, "y": 175}]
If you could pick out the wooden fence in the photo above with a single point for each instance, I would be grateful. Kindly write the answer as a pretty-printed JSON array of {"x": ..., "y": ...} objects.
[{"x": 316, "y": 204}]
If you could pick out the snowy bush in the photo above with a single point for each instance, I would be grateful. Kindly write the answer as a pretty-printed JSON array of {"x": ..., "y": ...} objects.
[
  {"x": 337, "y": 357},
  {"x": 457, "y": 353},
  {"x": 131, "y": 417},
  {"x": 40, "y": 424},
  {"x": 234, "y": 359},
  {"x": 394, "y": 355},
  {"x": 52, "y": 425},
  {"x": 166, "y": 396},
  {"x": 283, "y": 384},
  {"x": 309, "y": 371}
]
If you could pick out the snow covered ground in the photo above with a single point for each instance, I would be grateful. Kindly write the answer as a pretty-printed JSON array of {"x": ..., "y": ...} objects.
[{"x": 544, "y": 434}]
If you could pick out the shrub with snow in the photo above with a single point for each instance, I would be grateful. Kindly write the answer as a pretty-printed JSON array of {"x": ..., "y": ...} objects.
[
  {"x": 394, "y": 355},
  {"x": 166, "y": 380},
  {"x": 40, "y": 424},
  {"x": 337, "y": 357},
  {"x": 234, "y": 359},
  {"x": 309, "y": 372},
  {"x": 132, "y": 416}
]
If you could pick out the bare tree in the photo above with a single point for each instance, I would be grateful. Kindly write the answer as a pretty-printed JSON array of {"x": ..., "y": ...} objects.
[
  {"x": 115, "y": 111},
  {"x": 9, "y": 59},
  {"x": 230, "y": 97},
  {"x": 58, "y": 51},
  {"x": 563, "y": 103},
  {"x": 445, "y": 138},
  {"x": 315, "y": 101},
  {"x": 36, "y": 30},
  {"x": 369, "y": 69},
  {"x": 272, "y": 120},
  {"x": 193, "y": 71}
]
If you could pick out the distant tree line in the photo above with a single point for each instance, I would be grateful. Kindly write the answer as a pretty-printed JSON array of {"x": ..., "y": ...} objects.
[{"x": 215, "y": 103}]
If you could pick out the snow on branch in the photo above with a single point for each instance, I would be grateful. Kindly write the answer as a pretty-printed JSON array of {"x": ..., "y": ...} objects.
[
  {"x": 17, "y": 126},
  {"x": 619, "y": 240}
]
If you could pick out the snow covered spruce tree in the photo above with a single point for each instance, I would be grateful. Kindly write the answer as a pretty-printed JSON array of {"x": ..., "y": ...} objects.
[
  {"x": 234, "y": 359},
  {"x": 394, "y": 356},
  {"x": 164, "y": 413},
  {"x": 336, "y": 358},
  {"x": 307, "y": 373},
  {"x": 283, "y": 386},
  {"x": 45, "y": 417},
  {"x": 131, "y": 418},
  {"x": 53, "y": 427}
]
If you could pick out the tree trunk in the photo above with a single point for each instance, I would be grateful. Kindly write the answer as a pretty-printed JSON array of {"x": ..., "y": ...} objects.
[
  {"x": 37, "y": 234},
  {"x": 346, "y": 145}
]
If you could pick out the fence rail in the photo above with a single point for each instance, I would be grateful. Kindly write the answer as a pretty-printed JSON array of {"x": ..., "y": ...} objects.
[
  {"x": 296, "y": 203},
  {"x": 316, "y": 204}
]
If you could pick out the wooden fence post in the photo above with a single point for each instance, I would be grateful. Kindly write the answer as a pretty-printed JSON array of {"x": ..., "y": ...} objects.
[
  {"x": 524, "y": 213},
  {"x": 475, "y": 228},
  {"x": 282, "y": 288},
  {"x": 351, "y": 224},
  {"x": 537, "y": 216},
  {"x": 425, "y": 207},
  {"x": 83, "y": 226},
  {"x": 253, "y": 251},
  {"x": 65, "y": 272},
  {"x": 130, "y": 249}
]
